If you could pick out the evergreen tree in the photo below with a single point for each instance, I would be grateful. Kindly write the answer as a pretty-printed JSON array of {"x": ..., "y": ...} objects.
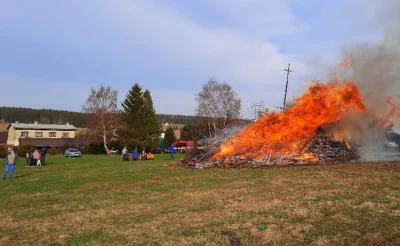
[
  {"x": 141, "y": 124},
  {"x": 169, "y": 137},
  {"x": 189, "y": 132}
]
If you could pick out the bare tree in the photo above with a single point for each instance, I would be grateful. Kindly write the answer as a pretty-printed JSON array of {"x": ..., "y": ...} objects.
[
  {"x": 102, "y": 105},
  {"x": 218, "y": 103},
  {"x": 259, "y": 109}
]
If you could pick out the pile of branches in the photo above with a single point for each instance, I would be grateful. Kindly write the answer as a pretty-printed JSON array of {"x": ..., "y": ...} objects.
[
  {"x": 324, "y": 149},
  {"x": 328, "y": 149}
]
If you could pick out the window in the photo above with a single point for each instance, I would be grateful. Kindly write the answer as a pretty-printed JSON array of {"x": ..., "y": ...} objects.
[
  {"x": 52, "y": 134},
  {"x": 24, "y": 134},
  {"x": 38, "y": 134},
  {"x": 66, "y": 135}
]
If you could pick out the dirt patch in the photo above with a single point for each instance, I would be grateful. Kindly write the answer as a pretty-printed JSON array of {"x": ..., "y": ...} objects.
[{"x": 97, "y": 185}]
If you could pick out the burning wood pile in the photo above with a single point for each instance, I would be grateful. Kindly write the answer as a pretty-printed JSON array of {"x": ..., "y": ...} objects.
[
  {"x": 328, "y": 149},
  {"x": 290, "y": 137},
  {"x": 320, "y": 149}
]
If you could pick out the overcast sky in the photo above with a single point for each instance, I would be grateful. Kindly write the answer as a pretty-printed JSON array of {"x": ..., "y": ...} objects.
[{"x": 52, "y": 52}]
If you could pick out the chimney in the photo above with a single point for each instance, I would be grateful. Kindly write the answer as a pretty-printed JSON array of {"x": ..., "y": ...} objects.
[
  {"x": 36, "y": 122},
  {"x": 16, "y": 122},
  {"x": 67, "y": 123}
]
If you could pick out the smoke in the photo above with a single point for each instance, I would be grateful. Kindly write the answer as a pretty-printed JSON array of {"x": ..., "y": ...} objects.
[
  {"x": 223, "y": 135},
  {"x": 375, "y": 69}
]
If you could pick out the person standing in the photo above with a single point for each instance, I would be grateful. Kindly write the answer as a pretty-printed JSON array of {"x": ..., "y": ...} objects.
[
  {"x": 31, "y": 159},
  {"x": 11, "y": 160},
  {"x": 27, "y": 159},
  {"x": 36, "y": 156},
  {"x": 124, "y": 153},
  {"x": 172, "y": 150},
  {"x": 43, "y": 156}
]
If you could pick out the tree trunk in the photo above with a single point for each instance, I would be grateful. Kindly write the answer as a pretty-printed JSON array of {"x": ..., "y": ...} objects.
[{"x": 105, "y": 143}]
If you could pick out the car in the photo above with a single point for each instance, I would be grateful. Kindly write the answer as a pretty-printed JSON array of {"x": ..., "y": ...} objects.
[
  {"x": 160, "y": 150},
  {"x": 72, "y": 153}
]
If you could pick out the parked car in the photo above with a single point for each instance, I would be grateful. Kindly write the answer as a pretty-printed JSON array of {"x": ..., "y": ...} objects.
[
  {"x": 160, "y": 150},
  {"x": 72, "y": 153}
]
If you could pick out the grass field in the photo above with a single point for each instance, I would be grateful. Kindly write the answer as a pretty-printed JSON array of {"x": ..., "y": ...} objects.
[{"x": 99, "y": 200}]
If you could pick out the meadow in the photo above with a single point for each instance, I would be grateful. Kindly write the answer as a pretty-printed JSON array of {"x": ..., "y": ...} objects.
[{"x": 100, "y": 200}]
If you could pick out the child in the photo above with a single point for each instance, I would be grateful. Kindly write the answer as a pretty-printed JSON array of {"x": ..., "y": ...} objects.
[{"x": 27, "y": 157}]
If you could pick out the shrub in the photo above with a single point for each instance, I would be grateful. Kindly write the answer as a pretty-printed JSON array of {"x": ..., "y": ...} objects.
[
  {"x": 94, "y": 149},
  {"x": 52, "y": 151},
  {"x": 25, "y": 148},
  {"x": 3, "y": 151}
]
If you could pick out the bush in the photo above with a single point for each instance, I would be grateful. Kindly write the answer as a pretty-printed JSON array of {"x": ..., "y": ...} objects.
[
  {"x": 93, "y": 149},
  {"x": 3, "y": 151},
  {"x": 23, "y": 149},
  {"x": 52, "y": 151}
]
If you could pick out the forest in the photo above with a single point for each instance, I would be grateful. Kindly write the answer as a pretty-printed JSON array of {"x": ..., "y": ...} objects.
[{"x": 78, "y": 119}]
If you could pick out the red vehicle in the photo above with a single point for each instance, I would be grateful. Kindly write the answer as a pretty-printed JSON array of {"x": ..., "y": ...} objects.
[{"x": 182, "y": 146}]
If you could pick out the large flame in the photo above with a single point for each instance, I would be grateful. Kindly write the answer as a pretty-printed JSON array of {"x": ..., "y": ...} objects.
[{"x": 290, "y": 130}]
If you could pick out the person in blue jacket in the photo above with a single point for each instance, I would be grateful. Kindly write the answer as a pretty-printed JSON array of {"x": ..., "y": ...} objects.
[
  {"x": 135, "y": 155},
  {"x": 172, "y": 150}
]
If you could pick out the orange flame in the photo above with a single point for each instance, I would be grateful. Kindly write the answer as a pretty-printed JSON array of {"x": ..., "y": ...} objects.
[
  {"x": 290, "y": 130},
  {"x": 306, "y": 156},
  {"x": 347, "y": 144}
]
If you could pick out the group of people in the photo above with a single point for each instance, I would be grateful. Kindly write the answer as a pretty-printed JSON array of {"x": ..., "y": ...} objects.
[
  {"x": 143, "y": 156},
  {"x": 33, "y": 158},
  {"x": 36, "y": 158},
  {"x": 126, "y": 156}
]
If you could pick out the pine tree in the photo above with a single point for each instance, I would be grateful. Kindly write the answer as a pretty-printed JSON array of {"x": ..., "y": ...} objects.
[
  {"x": 169, "y": 137},
  {"x": 141, "y": 124}
]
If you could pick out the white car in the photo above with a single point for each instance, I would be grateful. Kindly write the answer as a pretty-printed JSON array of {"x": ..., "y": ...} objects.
[{"x": 72, "y": 153}]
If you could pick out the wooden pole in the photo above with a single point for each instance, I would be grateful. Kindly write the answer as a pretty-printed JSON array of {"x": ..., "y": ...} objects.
[{"x": 287, "y": 82}]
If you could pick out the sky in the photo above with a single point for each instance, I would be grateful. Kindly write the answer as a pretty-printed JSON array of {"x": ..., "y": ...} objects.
[{"x": 52, "y": 52}]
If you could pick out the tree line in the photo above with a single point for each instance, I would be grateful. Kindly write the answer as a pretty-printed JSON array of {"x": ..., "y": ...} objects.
[
  {"x": 44, "y": 116},
  {"x": 134, "y": 122},
  {"x": 78, "y": 119},
  {"x": 138, "y": 126}
]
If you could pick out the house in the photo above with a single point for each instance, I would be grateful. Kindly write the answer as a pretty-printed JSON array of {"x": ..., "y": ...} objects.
[
  {"x": 43, "y": 135},
  {"x": 176, "y": 127}
]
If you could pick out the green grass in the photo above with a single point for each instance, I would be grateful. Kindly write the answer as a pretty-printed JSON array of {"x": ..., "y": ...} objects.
[{"x": 100, "y": 200}]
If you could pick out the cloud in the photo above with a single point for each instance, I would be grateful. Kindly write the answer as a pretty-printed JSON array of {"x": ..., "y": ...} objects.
[
  {"x": 229, "y": 53},
  {"x": 262, "y": 18},
  {"x": 170, "y": 47},
  {"x": 158, "y": 45},
  {"x": 38, "y": 93}
]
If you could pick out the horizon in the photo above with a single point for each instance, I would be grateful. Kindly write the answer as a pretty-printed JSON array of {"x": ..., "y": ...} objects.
[{"x": 173, "y": 47}]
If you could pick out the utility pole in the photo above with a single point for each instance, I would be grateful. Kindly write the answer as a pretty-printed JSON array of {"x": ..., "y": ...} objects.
[{"x": 287, "y": 82}]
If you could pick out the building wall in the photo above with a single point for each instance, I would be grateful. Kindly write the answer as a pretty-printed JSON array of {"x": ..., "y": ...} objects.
[{"x": 14, "y": 135}]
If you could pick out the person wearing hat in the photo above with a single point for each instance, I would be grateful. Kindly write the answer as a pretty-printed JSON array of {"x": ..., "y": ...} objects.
[{"x": 11, "y": 160}]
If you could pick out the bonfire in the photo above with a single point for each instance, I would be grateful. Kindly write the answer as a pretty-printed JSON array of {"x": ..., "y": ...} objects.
[{"x": 295, "y": 135}]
